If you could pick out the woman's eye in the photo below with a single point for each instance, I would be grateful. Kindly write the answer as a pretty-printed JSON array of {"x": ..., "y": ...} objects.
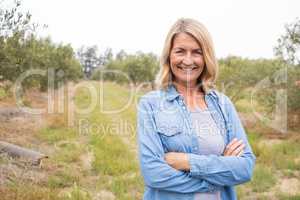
[
  {"x": 199, "y": 52},
  {"x": 178, "y": 51}
]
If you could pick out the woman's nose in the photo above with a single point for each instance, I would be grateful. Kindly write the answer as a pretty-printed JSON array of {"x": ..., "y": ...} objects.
[{"x": 187, "y": 60}]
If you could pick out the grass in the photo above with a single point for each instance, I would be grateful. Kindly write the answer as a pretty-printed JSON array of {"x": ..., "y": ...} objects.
[
  {"x": 3, "y": 93},
  {"x": 288, "y": 197},
  {"x": 263, "y": 179},
  {"x": 114, "y": 166},
  {"x": 21, "y": 191},
  {"x": 111, "y": 157},
  {"x": 276, "y": 159},
  {"x": 278, "y": 156},
  {"x": 69, "y": 152},
  {"x": 77, "y": 193},
  {"x": 128, "y": 188},
  {"x": 54, "y": 135},
  {"x": 62, "y": 179}
]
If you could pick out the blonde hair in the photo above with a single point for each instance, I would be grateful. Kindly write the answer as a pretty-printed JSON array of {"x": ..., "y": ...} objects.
[{"x": 200, "y": 33}]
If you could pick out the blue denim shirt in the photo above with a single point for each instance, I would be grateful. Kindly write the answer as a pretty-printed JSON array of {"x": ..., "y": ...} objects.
[{"x": 164, "y": 125}]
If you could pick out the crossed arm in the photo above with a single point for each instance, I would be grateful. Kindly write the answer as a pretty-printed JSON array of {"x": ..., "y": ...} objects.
[
  {"x": 180, "y": 161},
  {"x": 186, "y": 172}
]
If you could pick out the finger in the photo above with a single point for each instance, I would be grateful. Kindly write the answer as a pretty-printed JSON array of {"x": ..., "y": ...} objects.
[
  {"x": 228, "y": 146},
  {"x": 234, "y": 146},
  {"x": 232, "y": 142},
  {"x": 231, "y": 146},
  {"x": 241, "y": 153},
  {"x": 238, "y": 150}
]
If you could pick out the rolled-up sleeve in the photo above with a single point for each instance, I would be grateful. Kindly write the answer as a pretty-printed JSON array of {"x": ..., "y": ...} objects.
[{"x": 226, "y": 170}]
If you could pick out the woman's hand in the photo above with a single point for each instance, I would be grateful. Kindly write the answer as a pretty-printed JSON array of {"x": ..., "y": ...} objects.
[
  {"x": 177, "y": 160},
  {"x": 234, "y": 148}
]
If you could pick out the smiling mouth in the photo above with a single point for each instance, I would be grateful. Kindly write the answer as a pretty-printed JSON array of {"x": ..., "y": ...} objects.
[{"x": 187, "y": 69}]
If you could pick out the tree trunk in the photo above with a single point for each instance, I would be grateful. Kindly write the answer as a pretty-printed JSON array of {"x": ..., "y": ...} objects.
[{"x": 16, "y": 151}]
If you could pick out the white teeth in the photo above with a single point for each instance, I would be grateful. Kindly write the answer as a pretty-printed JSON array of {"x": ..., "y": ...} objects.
[{"x": 186, "y": 69}]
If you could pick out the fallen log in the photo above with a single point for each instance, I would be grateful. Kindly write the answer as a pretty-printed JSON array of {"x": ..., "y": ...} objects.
[{"x": 20, "y": 152}]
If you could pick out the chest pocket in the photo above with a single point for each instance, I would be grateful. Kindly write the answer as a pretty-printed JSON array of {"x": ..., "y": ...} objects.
[
  {"x": 170, "y": 127},
  {"x": 169, "y": 124}
]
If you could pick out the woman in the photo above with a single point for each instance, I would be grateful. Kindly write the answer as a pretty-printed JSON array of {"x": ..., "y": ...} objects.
[{"x": 192, "y": 144}]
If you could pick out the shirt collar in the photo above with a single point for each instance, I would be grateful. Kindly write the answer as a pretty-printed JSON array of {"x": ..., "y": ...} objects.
[{"x": 172, "y": 93}]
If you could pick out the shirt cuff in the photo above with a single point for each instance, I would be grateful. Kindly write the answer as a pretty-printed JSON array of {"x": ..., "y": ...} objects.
[{"x": 198, "y": 165}]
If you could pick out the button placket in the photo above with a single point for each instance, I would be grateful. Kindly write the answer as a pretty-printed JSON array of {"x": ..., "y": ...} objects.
[{"x": 187, "y": 116}]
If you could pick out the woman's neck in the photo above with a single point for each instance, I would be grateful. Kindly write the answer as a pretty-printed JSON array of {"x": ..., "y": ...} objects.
[
  {"x": 193, "y": 96},
  {"x": 188, "y": 90}
]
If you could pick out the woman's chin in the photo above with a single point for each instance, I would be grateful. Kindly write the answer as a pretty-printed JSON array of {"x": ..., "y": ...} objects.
[{"x": 186, "y": 81}]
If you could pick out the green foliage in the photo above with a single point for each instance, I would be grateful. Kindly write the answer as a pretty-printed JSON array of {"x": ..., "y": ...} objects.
[
  {"x": 135, "y": 68},
  {"x": 288, "y": 47},
  {"x": 260, "y": 82},
  {"x": 22, "y": 51},
  {"x": 237, "y": 74},
  {"x": 13, "y": 20},
  {"x": 32, "y": 53},
  {"x": 293, "y": 89}
]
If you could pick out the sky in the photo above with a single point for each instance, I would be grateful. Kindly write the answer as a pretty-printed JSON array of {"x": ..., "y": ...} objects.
[{"x": 248, "y": 28}]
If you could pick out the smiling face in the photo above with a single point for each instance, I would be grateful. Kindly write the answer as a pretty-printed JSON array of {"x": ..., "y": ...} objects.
[{"x": 186, "y": 60}]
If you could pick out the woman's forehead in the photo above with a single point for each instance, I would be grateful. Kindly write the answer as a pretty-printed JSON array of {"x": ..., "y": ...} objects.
[{"x": 184, "y": 40}]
